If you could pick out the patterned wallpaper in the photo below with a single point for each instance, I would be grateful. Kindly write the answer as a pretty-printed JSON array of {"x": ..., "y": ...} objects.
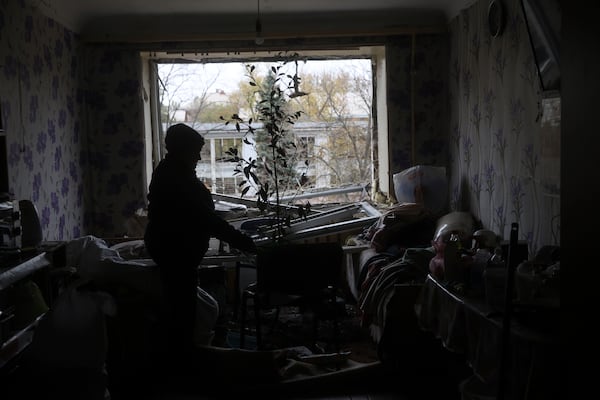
[
  {"x": 73, "y": 120},
  {"x": 72, "y": 115},
  {"x": 42, "y": 113},
  {"x": 428, "y": 90},
  {"x": 504, "y": 160},
  {"x": 115, "y": 151},
  {"x": 399, "y": 100}
]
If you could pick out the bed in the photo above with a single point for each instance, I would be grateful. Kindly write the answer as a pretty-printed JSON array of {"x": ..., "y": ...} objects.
[
  {"x": 395, "y": 250},
  {"x": 398, "y": 253}
]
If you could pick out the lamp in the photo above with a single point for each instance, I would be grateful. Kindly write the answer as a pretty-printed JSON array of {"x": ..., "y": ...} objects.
[{"x": 258, "y": 38}]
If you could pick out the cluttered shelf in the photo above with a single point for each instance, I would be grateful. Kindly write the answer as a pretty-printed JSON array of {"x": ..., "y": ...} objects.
[{"x": 26, "y": 291}]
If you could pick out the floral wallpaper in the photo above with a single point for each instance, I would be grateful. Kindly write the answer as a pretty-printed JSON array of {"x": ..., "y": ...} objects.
[
  {"x": 73, "y": 125},
  {"x": 503, "y": 163},
  {"x": 72, "y": 113},
  {"x": 398, "y": 63},
  {"x": 115, "y": 136},
  {"x": 42, "y": 115},
  {"x": 430, "y": 94},
  {"x": 428, "y": 91}
]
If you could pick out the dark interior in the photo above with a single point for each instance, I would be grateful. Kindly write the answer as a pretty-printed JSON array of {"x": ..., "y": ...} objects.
[{"x": 74, "y": 145}]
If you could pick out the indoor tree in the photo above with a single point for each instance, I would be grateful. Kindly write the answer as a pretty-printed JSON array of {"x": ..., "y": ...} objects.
[{"x": 274, "y": 168}]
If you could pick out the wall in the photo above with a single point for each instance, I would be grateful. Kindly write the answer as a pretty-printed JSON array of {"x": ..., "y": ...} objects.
[
  {"x": 42, "y": 112},
  {"x": 75, "y": 132},
  {"x": 72, "y": 115},
  {"x": 580, "y": 63},
  {"x": 114, "y": 128},
  {"x": 417, "y": 108},
  {"x": 115, "y": 103},
  {"x": 502, "y": 168}
]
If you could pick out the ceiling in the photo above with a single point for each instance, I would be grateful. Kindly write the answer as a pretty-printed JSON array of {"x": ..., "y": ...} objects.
[{"x": 177, "y": 19}]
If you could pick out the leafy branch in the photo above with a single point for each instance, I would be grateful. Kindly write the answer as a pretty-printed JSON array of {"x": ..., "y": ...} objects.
[{"x": 274, "y": 168}]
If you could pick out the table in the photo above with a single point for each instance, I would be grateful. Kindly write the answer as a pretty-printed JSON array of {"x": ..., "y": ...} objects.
[{"x": 468, "y": 326}]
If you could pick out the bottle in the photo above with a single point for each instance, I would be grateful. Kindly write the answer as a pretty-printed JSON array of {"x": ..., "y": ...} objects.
[
  {"x": 451, "y": 257},
  {"x": 494, "y": 278}
]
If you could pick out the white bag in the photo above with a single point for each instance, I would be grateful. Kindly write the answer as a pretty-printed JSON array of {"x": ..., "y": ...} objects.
[{"x": 423, "y": 184}]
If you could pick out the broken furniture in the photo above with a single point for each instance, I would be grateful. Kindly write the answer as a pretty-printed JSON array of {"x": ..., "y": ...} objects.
[{"x": 304, "y": 275}]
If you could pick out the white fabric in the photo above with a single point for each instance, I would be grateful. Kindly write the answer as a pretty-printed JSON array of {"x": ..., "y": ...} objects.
[
  {"x": 99, "y": 263},
  {"x": 94, "y": 260}
]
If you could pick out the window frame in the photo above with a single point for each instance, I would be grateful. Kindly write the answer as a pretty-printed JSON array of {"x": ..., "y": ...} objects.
[{"x": 379, "y": 144}]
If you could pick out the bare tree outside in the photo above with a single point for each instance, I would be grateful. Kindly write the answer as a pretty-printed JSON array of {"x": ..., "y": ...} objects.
[
  {"x": 343, "y": 100},
  {"x": 334, "y": 131},
  {"x": 192, "y": 90}
]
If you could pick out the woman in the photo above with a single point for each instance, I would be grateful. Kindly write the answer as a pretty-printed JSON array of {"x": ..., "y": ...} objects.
[{"x": 181, "y": 221}]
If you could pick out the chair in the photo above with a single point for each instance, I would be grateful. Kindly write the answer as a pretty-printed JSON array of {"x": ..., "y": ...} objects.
[{"x": 302, "y": 275}]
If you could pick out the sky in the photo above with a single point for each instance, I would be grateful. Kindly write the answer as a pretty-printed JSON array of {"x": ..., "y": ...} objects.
[{"x": 226, "y": 76}]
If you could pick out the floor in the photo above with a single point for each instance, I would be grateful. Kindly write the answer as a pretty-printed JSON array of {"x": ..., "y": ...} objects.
[
  {"x": 376, "y": 384},
  {"x": 417, "y": 371},
  {"x": 426, "y": 371}
]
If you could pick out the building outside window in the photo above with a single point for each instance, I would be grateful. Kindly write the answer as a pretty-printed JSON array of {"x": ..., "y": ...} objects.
[{"x": 333, "y": 137}]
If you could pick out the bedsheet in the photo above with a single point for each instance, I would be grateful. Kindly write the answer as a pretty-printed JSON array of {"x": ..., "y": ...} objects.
[{"x": 376, "y": 277}]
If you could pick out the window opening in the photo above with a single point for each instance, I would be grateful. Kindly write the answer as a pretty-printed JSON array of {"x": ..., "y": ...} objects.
[{"x": 334, "y": 137}]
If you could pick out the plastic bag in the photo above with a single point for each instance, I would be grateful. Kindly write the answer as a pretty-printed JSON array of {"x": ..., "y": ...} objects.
[{"x": 425, "y": 185}]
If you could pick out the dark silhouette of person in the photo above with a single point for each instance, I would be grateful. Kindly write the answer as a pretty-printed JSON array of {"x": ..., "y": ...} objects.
[{"x": 181, "y": 221}]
